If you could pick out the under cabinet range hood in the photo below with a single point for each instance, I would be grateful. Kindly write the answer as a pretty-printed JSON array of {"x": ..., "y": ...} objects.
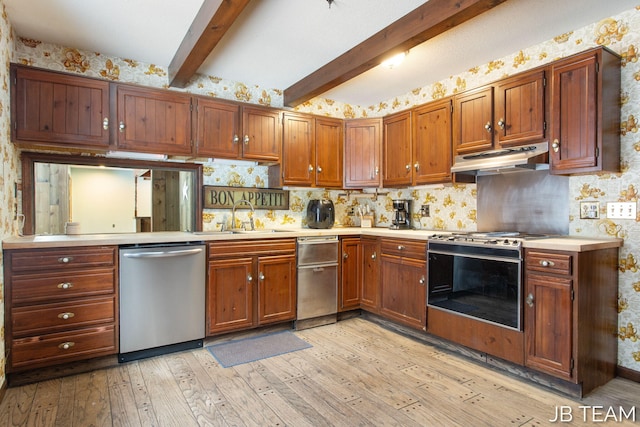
[{"x": 506, "y": 160}]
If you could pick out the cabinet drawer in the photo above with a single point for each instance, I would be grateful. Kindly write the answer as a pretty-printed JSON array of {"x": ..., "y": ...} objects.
[
  {"x": 404, "y": 248},
  {"x": 36, "y": 319},
  {"x": 549, "y": 262},
  {"x": 50, "y": 349},
  {"x": 47, "y": 286},
  {"x": 252, "y": 247},
  {"x": 47, "y": 259}
]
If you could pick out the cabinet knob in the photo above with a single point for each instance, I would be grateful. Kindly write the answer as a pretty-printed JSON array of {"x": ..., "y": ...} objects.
[
  {"x": 66, "y": 315},
  {"x": 310, "y": 168},
  {"x": 66, "y": 345},
  {"x": 400, "y": 247},
  {"x": 65, "y": 259},
  {"x": 488, "y": 127},
  {"x": 65, "y": 285},
  {"x": 319, "y": 169},
  {"x": 374, "y": 256},
  {"x": 422, "y": 280},
  {"x": 529, "y": 300},
  {"x": 407, "y": 167},
  {"x": 121, "y": 127},
  {"x": 416, "y": 166},
  {"x": 547, "y": 263},
  {"x": 261, "y": 276},
  {"x": 246, "y": 139},
  {"x": 105, "y": 123},
  {"x": 377, "y": 170},
  {"x": 236, "y": 139},
  {"x": 501, "y": 123},
  {"x": 345, "y": 256},
  {"x": 555, "y": 145},
  {"x": 249, "y": 278}
]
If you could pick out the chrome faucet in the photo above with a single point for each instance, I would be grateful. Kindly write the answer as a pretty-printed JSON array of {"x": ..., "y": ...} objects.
[{"x": 233, "y": 213}]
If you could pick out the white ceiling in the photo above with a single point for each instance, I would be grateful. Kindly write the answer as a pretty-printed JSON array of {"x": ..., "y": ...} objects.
[{"x": 275, "y": 43}]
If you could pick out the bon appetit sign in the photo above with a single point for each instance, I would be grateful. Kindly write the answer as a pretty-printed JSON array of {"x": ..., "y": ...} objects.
[{"x": 261, "y": 198}]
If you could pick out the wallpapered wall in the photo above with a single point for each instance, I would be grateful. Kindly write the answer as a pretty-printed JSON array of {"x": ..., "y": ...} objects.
[{"x": 452, "y": 207}]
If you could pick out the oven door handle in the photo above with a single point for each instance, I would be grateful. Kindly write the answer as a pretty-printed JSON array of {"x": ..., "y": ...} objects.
[{"x": 487, "y": 257}]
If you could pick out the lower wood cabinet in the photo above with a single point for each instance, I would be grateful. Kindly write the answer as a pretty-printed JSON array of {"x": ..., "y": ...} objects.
[
  {"x": 570, "y": 314},
  {"x": 61, "y": 305},
  {"x": 403, "y": 281},
  {"x": 250, "y": 283},
  {"x": 370, "y": 291},
  {"x": 349, "y": 287}
]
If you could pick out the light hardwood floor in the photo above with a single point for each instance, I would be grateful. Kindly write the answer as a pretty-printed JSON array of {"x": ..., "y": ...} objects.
[{"x": 357, "y": 373}]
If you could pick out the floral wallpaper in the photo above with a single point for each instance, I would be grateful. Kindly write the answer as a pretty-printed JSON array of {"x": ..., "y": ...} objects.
[
  {"x": 453, "y": 207},
  {"x": 9, "y": 162}
]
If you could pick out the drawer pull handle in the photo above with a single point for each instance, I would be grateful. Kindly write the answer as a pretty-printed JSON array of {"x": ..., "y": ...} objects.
[
  {"x": 65, "y": 259},
  {"x": 66, "y": 315},
  {"x": 65, "y": 285},
  {"x": 66, "y": 345},
  {"x": 547, "y": 263},
  {"x": 400, "y": 247}
]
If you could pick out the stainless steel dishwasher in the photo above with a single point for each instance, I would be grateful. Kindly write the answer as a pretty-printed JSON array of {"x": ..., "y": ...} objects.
[
  {"x": 162, "y": 299},
  {"x": 317, "y": 281}
]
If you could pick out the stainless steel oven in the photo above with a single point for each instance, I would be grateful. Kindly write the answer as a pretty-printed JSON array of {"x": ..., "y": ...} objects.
[{"x": 476, "y": 277}]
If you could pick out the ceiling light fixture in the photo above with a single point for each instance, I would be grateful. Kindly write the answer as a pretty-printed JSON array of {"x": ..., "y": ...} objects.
[
  {"x": 395, "y": 60},
  {"x": 330, "y": 2}
]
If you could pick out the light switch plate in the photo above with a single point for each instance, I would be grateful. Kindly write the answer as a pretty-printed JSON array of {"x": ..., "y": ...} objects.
[
  {"x": 621, "y": 210},
  {"x": 589, "y": 210}
]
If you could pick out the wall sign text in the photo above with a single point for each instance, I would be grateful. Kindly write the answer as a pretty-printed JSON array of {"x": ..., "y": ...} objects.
[{"x": 261, "y": 198}]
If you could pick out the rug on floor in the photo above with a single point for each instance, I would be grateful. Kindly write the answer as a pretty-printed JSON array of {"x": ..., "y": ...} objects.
[{"x": 250, "y": 349}]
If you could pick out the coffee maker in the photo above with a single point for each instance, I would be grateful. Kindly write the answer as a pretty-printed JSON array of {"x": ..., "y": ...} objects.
[{"x": 401, "y": 214}]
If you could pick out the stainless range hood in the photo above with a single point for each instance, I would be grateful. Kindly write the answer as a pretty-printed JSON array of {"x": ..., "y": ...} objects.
[{"x": 506, "y": 160}]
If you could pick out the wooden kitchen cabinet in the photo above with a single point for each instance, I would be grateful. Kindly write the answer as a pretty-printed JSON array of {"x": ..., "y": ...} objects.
[
  {"x": 261, "y": 134},
  {"x": 403, "y": 272},
  {"x": 432, "y": 139},
  {"x": 250, "y": 283},
  {"x": 217, "y": 129},
  {"x": 585, "y": 113},
  {"x": 61, "y": 305},
  {"x": 329, "y": 152},
  {"x": 509, "y": 113},
  {"x": 397, "y": 164},
  {"x": 370, "y": 293},
  {"x": 570, "y": 315},
  {"x": 58, "y": 110},
  {"x": 152, "y": 120},
  {"x": 362, "y": 153},
  {"x": 351, "y": 274}
]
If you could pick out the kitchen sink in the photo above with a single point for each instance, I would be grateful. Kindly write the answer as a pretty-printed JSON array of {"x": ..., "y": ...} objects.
[
  {"x": 260, "y": 231},
  {"x": 210, "y": 233}
]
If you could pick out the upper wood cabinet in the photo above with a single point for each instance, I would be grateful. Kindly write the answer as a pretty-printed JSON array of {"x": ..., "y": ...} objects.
[
  {"x": 217, "y": 129},
  {"x": 506, "y": 114},
  {"x": 585, "y": 130},
  {"x": 432, "y": 143},
  {"x": 261, "y": 134},
  {"x": 362, "y": 153},
  {"x": 55, "y": 109},
  {"x": 152, "y": 120},
  {"x": 329, "y": 152},
  {"x": 396, "y": 150}
]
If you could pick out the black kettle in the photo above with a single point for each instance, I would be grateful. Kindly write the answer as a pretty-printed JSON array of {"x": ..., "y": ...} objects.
[{"x": 320, "y": 213}]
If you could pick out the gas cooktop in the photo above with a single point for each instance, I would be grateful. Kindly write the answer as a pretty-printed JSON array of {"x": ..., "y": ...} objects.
[{"x": 498, "y": 238}]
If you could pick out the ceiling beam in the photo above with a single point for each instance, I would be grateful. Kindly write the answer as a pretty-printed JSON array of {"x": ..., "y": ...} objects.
[
  {"x": 213, "y": 20},
  {"x": 434, "y": 17}
]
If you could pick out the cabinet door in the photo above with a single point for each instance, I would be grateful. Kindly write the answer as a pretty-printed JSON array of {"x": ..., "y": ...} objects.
[
  {"x": 329, "y": 152},
  {"x": 276, "y": 288},
  {"x": 519, "y": 116},
  {"x": 432, "y": 143},
  {"x": 298, "y": 154},
  {"x": 230, "y": 295},
  {"x": 473, "y": 116},
  {"x": 548, "y": 324},
  {"x": 58, "y": 109},
  {"x": 217, "y": 129},
  {"x": 351, "y": 267},
  {"x": 262, "y": 134},
  {"x": 370, "y": 299},
  {"x": 153, "y": 121},
  {"x": 574, "y": 114},
  {"x": 396, "y": 150},
  {"x": 403, "y": 290},
  {"x": 362, "y": 153}
]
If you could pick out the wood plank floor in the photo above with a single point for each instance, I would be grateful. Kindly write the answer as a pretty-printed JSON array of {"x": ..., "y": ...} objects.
[{"x": 356, "y": 374}]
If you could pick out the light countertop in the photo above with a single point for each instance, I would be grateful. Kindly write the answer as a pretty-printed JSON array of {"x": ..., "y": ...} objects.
[{"x": 565, "y": 243}]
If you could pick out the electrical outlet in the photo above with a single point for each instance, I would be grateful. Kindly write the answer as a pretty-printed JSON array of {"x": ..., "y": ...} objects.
[
  {"x": 621, "y": 210},
  {"x": 424, "y": 211}
]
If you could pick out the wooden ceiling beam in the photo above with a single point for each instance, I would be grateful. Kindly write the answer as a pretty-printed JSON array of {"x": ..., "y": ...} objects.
[
  {"x": 434, "y": 17},
  {"x": 213, "y": 20}
]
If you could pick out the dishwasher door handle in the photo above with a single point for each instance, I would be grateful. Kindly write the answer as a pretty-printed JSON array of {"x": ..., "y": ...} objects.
[{"x": 163, "y": 254}]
